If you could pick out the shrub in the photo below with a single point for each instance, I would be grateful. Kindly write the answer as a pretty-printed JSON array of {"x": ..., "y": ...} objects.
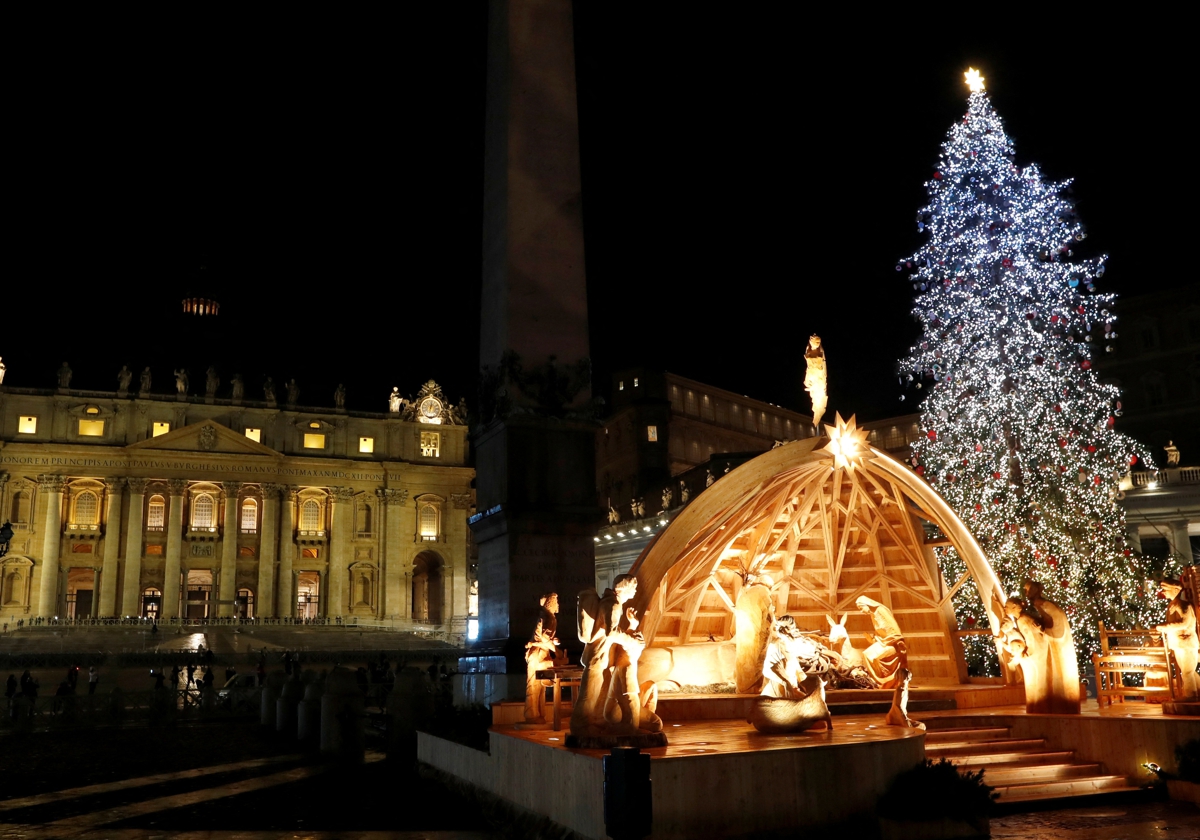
[
  {"x": 1187, "y": 756},
  {"x": 933, "y": 790}
]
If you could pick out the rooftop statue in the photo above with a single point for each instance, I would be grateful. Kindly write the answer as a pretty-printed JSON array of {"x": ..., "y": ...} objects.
[
  {"x": 816, "y": 377},
  {"x": 293, "y": 391},
  {"x": 64, "y": 376},
  {"x": 395, "y": 401},
  {"x": 239, "y": 387},
  {"x": 211, "y": 382},
  {"x": 269, "y": 391},
  {"x": 339, "y": 396},
  {"x": 144, "y": 382},
  {"x": 181, "y": 383},
  {"x": 124, "y": 377}
]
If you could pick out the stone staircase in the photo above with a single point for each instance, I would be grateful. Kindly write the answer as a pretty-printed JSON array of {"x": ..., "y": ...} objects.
[{"x": 1021, "y": 770}]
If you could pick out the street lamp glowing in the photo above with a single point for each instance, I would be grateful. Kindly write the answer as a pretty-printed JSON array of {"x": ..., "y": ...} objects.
[{"x": 974, "y": 80}]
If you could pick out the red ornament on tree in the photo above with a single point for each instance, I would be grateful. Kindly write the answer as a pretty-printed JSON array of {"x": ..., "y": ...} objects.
[
  {"x": 920, "y": 471},
  {"x": 1085, "y": 364},
  {"x": 996, "y": 475},
  {"x": 932, "y": 434},
  {"x": 1132, "y": 460},
  {"x": 1091, "y": 447}
]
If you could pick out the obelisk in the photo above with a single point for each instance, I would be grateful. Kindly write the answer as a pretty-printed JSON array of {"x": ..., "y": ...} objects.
[{"x": 535, "y": 446}]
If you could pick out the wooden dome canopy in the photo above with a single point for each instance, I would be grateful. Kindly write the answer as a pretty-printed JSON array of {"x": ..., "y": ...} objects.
[{"x": 825, "y": 535}]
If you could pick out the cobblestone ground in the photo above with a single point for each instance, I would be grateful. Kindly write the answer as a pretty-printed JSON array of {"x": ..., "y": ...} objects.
[
  {"x": 1141, "y": 821},
  {"x": 220, "y": 780}
]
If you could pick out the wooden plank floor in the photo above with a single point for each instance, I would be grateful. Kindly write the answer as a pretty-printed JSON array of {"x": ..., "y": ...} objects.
[{"x": 691, "y": 739}]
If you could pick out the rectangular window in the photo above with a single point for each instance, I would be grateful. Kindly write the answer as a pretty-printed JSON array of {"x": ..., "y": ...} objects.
[
  {"x": 635, "y": 382},
  {"x": 366, "y": 444},
  {"x": 621, "y": 385},
  {"x": 431, "y": 444},
  {"x": 154, "y": 549},
  {"x": 254, "y": 435},
  {"x": 27, "y": 425},
  {"x": 91, "y": 428},
  {"x": 652, "y": 433},
  {"x": 161, "y": 429},
  {"x": 312, "y": 441}
]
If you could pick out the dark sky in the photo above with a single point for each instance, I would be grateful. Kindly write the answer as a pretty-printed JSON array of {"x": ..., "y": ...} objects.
[{"x": 750, "y": 177}]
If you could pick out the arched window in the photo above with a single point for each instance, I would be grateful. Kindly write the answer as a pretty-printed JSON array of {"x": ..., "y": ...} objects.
[
  {"x": 249, "y": 516},
  {"x": 156, "y": 514},
  {"x": 203, "y": 512},
  {"x": 310, "y": 515},
  {"x": 429, "y": 522},
  {"x": 20, "y": 508},
  {"x": 87, "y": 509}
]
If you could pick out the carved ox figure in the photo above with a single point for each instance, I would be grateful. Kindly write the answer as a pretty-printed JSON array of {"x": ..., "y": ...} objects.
[{"x": 704, "y": 664}]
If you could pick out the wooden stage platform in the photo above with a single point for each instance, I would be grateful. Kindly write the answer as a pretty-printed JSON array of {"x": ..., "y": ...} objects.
[{"x": 716, "y": 778}]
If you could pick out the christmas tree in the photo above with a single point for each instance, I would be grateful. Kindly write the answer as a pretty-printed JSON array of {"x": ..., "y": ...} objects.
[{"x": 1017, "y": 432}]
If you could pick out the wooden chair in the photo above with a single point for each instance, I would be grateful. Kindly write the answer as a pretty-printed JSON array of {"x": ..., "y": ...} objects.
[{"x": 1131, "y": 652}]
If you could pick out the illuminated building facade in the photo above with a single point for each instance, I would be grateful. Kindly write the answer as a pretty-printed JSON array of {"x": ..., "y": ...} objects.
[{"x": 145, "y": 505}]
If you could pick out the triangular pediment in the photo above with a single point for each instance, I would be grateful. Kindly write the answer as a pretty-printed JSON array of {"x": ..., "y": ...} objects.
[{"x": 206, "y": 436}]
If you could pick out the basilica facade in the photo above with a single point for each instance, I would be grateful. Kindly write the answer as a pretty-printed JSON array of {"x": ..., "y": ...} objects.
[{"x": 135, "y": 504}]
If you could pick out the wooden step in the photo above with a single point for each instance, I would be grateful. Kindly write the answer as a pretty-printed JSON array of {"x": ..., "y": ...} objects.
[
  {"x": 1014, "y": 759},
  {"x": 1082, "y": 786},
  {"x": 1006, "y": 776},
  {"x": 1006, "y": 745},
  {"x": 942, "y": 736}
]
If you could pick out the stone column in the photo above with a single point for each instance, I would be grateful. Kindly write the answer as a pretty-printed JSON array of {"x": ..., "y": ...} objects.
[
  {"x": 1133, "y": 537},
  {"x": 51, "y": 486},
  {"x": 105, "y": 602},
  {"x": 392, "y": 502},
  {"x": 97, "y": 577},
  {"x": 171, "y": 582},
  {"x": 1181, "y": 543},
  {"x": 339, "y": 548},
  {"x": 132, "y": 591},
  {"x": 323, "y": 595},
  {"x": 229, "y": 546},
  {"x": 264, "y": 601},
  {"x": 287, "y": 555}
]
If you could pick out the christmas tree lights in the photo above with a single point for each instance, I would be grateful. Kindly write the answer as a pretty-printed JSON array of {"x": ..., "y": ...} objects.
[{"x": 1017, "y": 432}]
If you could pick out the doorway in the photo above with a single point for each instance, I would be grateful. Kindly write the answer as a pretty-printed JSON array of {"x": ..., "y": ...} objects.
[
  {"x": 199, "y": 593},
  {"x": 308, "y": 595},
  {"x": 81, "y": 582},
  {"x": 427, "y": 588}
]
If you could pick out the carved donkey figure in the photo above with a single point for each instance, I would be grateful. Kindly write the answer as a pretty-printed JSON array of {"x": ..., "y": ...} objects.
[{"x": 852, "y": 667}]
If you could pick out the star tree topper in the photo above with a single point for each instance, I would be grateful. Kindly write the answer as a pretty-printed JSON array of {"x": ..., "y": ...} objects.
[
  {"x": 847, "y": 443},
  {"x": 974, "y": 80}
]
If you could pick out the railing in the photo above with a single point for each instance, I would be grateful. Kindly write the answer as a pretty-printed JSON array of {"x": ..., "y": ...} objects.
[
  {"x": 228, "y": 621},
  {"x": 1170, "y": 475},
  {"x": 118, "y": 707}
]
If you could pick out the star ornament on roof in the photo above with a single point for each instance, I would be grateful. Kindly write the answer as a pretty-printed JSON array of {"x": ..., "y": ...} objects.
[{"x": 847, "y": 443}]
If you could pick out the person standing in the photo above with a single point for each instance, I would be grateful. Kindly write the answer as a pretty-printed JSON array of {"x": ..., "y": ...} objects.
[{"x": 93, "y": 678}]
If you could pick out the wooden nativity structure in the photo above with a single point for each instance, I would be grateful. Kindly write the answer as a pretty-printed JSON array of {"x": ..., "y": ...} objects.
[{"x": 827, "y": 519}]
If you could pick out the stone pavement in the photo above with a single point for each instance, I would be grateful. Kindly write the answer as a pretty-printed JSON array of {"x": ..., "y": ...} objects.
[
  {"x": 1137, "y": 821},
  {"x": 217, "y": 780}
]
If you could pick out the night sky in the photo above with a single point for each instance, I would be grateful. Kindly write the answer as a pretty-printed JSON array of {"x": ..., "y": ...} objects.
[{"x": 749, "y": 178}]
